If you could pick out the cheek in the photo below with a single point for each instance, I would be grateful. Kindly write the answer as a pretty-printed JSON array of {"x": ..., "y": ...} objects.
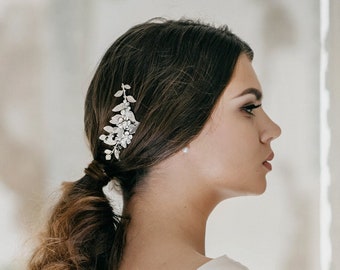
[
  {"x": 230, "y": 154},
  {"x": 225, "y": 151},
  {"x": 229, "y": 158},
  {"x": 235, "y": 145},
  {"x": 237, "y": 162}
]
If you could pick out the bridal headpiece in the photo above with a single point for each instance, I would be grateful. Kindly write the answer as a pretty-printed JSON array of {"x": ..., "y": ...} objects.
[{"x": 124, "y": 125}]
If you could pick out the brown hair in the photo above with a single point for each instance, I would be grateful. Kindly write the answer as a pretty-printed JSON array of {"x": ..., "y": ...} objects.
[{"x": 177, "y": 71}]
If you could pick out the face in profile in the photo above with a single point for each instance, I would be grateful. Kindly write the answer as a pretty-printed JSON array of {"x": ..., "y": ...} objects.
[{"x": 233, "y": 151}]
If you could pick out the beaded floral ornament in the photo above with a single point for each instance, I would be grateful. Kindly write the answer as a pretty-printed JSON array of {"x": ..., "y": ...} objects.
[{"x": 124, "y": 124}]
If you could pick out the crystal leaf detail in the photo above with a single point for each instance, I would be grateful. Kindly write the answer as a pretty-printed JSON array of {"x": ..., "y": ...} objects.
[{"x": 124, "y": 125}]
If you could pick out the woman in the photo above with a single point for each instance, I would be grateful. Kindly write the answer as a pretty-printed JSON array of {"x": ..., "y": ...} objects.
[{"x": 173, "y": 116}]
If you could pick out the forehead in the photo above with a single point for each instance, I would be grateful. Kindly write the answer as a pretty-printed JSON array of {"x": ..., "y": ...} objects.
[{"x": 244, "y": 77}]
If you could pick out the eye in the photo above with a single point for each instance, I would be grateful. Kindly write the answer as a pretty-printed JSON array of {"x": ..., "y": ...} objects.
[{"x": 249, "y": 108}]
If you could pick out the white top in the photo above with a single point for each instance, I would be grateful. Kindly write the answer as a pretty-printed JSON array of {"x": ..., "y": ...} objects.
[{"x": 222, "y": 263}]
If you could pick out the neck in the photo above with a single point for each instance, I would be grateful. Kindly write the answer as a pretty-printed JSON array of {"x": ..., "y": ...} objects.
[
  {"x": 169, "y": 212},
  {"x": 167, "y": 217}
]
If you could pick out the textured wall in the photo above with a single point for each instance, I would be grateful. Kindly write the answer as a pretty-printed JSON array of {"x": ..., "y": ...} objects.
[{"x": 49, "y": 50}]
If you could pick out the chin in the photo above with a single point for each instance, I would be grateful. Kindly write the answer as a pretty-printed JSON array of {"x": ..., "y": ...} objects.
[
  {"x": 254, "y": 191},
  {"x": 253, "y": 187},
  {"x": 258, "y": 188}
]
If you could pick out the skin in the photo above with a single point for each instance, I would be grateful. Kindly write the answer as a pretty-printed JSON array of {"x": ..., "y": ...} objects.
[{"x": 227, "y": 159}]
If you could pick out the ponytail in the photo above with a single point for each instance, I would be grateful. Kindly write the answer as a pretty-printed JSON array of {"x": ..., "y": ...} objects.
[{"x": 82, "y": 229}]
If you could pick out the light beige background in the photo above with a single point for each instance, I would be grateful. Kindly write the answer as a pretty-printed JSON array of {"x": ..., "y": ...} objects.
[{"x": 49, "y": 51}]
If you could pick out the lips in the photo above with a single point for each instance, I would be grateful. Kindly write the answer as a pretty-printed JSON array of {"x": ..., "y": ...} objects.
[{"x": 266, "y": 162}]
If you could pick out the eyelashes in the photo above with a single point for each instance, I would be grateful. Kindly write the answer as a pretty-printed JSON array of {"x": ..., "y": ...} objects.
[{"x": 249, "y": 108}]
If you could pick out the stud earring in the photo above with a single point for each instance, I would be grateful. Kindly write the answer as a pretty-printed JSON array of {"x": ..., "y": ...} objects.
[{"x": 185, "y": 150}]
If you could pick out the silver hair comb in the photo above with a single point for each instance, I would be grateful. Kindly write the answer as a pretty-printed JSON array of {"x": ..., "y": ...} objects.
[{"x": 124, "y": 124}]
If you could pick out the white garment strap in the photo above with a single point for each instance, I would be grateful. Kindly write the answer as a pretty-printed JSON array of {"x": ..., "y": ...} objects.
[{"x": 222, "y": 263}]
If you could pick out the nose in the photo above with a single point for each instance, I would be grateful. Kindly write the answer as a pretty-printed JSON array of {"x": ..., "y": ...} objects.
[{"x": 270, "y": 130}]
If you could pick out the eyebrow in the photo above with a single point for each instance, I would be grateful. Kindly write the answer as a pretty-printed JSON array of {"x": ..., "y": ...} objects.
[{"x": 257, "y": 93}]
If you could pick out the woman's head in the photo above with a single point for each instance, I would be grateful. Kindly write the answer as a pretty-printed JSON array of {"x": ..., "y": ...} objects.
[{"x": 177, "y": 71}]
